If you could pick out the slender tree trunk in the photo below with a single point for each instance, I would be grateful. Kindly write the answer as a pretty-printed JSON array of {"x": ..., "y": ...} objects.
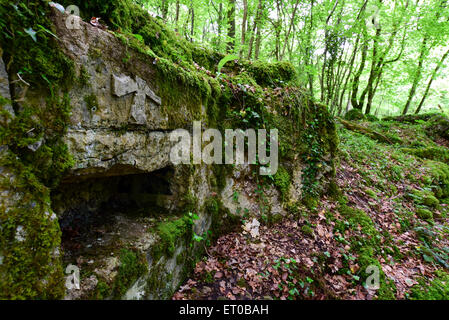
[
  {"x": 351, "y": 66},
  {"x": 355, "y": 85},
  {"x": 256, "y": 25},
  {"x": 432, "y": 78},
  {"x": 185, "y": 26},
  {"x": 192, "y": 22},
  {"x": 177, "y": 16},
  {"x": 309, "y": 50},
  {"x": 258, "y": 43},
  {"x": 373, "y": 71},
  {"x": 417, "y": 76},
  {"x": 220, "y": 22},
  {"x": 292, "y": 21},
  {"x": 230, "y": 46},
  {"x": 164, "y": 9},
  {"x": 244, "y": 21}
]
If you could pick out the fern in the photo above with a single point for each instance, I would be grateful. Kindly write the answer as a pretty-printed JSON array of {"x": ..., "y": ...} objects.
[{"x": 223, "y": 61}]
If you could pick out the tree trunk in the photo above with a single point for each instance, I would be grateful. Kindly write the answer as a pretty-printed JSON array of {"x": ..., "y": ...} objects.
[
  {"x": 177, "y": 16},
  {"x": 356, "y": 81},
  {"x": 243, "y": 40},
  {"x": 192, "y": 23},
  {"x": 255, "y": 26},
  {"x": 230, "y": 46},
  {"x": 289, "y": 30},
  {"x": 434, "y": 73},
  {"x": 417, "y": 77},
  {"x": 164, "y": 9}
]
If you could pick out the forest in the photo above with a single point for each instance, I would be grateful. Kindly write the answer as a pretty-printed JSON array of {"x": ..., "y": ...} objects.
[
  {"x": 380, "y": 57},
  {"x": 353, "y": 95}
]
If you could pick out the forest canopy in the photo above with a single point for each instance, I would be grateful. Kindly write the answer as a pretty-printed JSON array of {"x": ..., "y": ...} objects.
[{"x": 381, "y": 57}]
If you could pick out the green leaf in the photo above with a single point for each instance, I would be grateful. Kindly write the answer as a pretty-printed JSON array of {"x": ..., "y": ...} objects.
[
  {"x": 427, "y": 258},
  {"x": 197, "y": 238},
  {"x": 223, "y": 61},
  {"x": 45, "y": 78},
  {"x": 47, "y": 31}
]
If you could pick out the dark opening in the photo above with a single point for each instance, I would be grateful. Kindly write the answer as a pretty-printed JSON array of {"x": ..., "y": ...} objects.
[{"x": 93, "y": 208}]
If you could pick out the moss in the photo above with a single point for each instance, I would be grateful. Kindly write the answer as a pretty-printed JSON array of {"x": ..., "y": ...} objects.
[
  {"x": 387, "y": 288},
  {"x": 371, "y": 118},
  {"x": 425, "y": 197},
  {"x": 354, "y": 114},
  {"x": 46, "y": 126},
  {"x": 282, "y": 181},
  {"x": 310, "y": 202},
  {"x": 190, "y": 202},
  {"x": 431, "y": 201},
  {"x": 321, "y": 140},
  {"x": 172, "y": 231},
  {"x": 91, "y": 103},
  {"x": 127, "y": 17},
  {"x": 424, "y": 214},
  {"x": 371, "y": 193},
  {"x": 306, "y": 229},
  {"x": 333, "y": 190},
  {"x": 437, "y": 289},
  {"x": 365, "y": 246},
  {"x": 438, "y": 178},
  {"x": 356, "y": 218},
  {"x": 432, "y": 153},
  {"x": 84, "y": 77},
  {"x": 293, "y": 209},
  {"x": 31, "y": 267},
  {"x": 272, "y": 74},
  {"x": 102, "y": 291},
  {"x": 39, "y": 62},
  {"x": 132, "y": 266}
]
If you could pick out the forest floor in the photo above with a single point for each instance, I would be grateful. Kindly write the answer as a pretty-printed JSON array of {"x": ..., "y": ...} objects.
[{"x": 391, "y": 216}]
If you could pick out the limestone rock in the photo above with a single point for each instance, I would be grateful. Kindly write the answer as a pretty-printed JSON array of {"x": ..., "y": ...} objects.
[
  {"x": 4, "y": 87},
  {"x": 123, "y": 85}
]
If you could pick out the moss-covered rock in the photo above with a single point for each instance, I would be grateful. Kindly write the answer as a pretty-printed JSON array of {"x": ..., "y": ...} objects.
[
  {"x": 424, "y": 214},
  {"x": 272, "y": 74},
  {"x": 30, "y": 236},
  {"x": 367, "y": 247},
  {"x": 354, "y": 114},
  {"x": 104, "y": 142},
  {"x": 437, "y": 178},
  {"x": 282, "y": 180},
  {"x": 172, "y": 231},
  {"x": 437, "y": 289},
  {"x": 132, "y": 266},
  {"x": 425, "y": 197},
  {"x": 433, "y": 153}
]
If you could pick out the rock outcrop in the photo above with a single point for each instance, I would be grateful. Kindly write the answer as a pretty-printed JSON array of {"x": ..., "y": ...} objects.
[{"x": 127, "y": 214}]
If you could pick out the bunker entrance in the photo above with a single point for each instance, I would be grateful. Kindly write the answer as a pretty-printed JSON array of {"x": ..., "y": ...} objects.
[{"x": 103, "y": 213}]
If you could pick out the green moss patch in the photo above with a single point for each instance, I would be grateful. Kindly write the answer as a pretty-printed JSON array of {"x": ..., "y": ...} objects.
[
  {"x": 437, "y": 289},
  {"x": 132, "y": 266},
  {"x": 172, "y": 231}
]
